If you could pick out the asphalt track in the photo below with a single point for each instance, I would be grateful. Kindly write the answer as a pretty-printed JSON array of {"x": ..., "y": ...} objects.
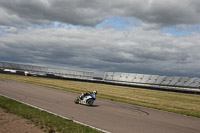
[{"x": 107, "y": 115}]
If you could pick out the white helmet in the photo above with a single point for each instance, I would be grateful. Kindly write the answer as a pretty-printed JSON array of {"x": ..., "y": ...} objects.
[{"x": 95, "y": 92}]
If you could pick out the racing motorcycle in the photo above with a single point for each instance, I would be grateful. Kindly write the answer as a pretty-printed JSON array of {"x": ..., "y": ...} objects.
[{"x": 86, "y": 100}]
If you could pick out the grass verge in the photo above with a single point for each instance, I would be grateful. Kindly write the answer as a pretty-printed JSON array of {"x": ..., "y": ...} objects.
[
  {"x": 51, "y": 123},
  {"x": 181, "y": 103}
]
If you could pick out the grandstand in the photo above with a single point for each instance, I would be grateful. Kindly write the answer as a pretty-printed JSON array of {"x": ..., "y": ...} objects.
[
  {"x": 185, "y": 84},
  {"x": 45, "y": 71},
  {"x": 154, "y": 81}
]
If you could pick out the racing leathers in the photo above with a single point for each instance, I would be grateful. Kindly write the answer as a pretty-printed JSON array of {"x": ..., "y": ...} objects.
[{"x": 85, "y": 94}]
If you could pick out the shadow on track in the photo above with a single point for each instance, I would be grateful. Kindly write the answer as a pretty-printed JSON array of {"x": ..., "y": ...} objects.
[{"x": 94, "y": 106}]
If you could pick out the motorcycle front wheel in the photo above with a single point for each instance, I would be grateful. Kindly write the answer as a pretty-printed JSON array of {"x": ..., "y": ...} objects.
[{"x": 89, "y": 102}]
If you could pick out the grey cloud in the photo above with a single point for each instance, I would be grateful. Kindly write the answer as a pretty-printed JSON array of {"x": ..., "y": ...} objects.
[
  {"x": 35, "y": 12},
  {"x": 92, "y": 12},
  {"x": 104, "y": 50}
]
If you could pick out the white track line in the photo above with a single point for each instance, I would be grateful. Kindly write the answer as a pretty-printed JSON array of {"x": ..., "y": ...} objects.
[{"x": 104, "y": 131}]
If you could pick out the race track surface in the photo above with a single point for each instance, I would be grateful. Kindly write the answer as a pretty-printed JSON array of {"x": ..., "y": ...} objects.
[{"x": 107, "y": 115}]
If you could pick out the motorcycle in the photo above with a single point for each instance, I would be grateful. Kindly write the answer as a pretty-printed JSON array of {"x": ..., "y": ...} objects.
[{"x": 87, "y": 100}]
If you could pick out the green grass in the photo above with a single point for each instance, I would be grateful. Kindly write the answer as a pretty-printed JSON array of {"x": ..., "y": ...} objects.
[
  {"x": 181, "y": 103},
  {"x": 49, "y": 122}
]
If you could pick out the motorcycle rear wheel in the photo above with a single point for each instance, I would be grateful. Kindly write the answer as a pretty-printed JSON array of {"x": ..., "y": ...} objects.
[{"x": 76, "y": 101}]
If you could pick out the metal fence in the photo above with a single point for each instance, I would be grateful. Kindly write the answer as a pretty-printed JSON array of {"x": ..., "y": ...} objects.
[
  {"x": 45, "y": 71},
  {"x": 184, "y": 82}
]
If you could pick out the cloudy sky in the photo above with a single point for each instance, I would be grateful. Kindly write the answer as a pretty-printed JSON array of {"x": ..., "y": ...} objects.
[{"x": 136, "y": 36}]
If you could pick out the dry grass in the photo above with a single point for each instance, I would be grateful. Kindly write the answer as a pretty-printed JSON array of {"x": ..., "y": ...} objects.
[{"x": 187, "y": 104}]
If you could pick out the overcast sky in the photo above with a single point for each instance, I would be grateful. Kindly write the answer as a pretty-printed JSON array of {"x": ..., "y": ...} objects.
[{"x": 136, "y": 36}]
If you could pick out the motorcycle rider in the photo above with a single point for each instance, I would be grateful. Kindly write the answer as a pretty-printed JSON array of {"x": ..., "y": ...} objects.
[{"x": 87, "y": 93}]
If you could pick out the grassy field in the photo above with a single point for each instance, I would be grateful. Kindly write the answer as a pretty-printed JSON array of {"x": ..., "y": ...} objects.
[
  {"x": 49, "y": 122},
  {"x": 187, "y": 104}
]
